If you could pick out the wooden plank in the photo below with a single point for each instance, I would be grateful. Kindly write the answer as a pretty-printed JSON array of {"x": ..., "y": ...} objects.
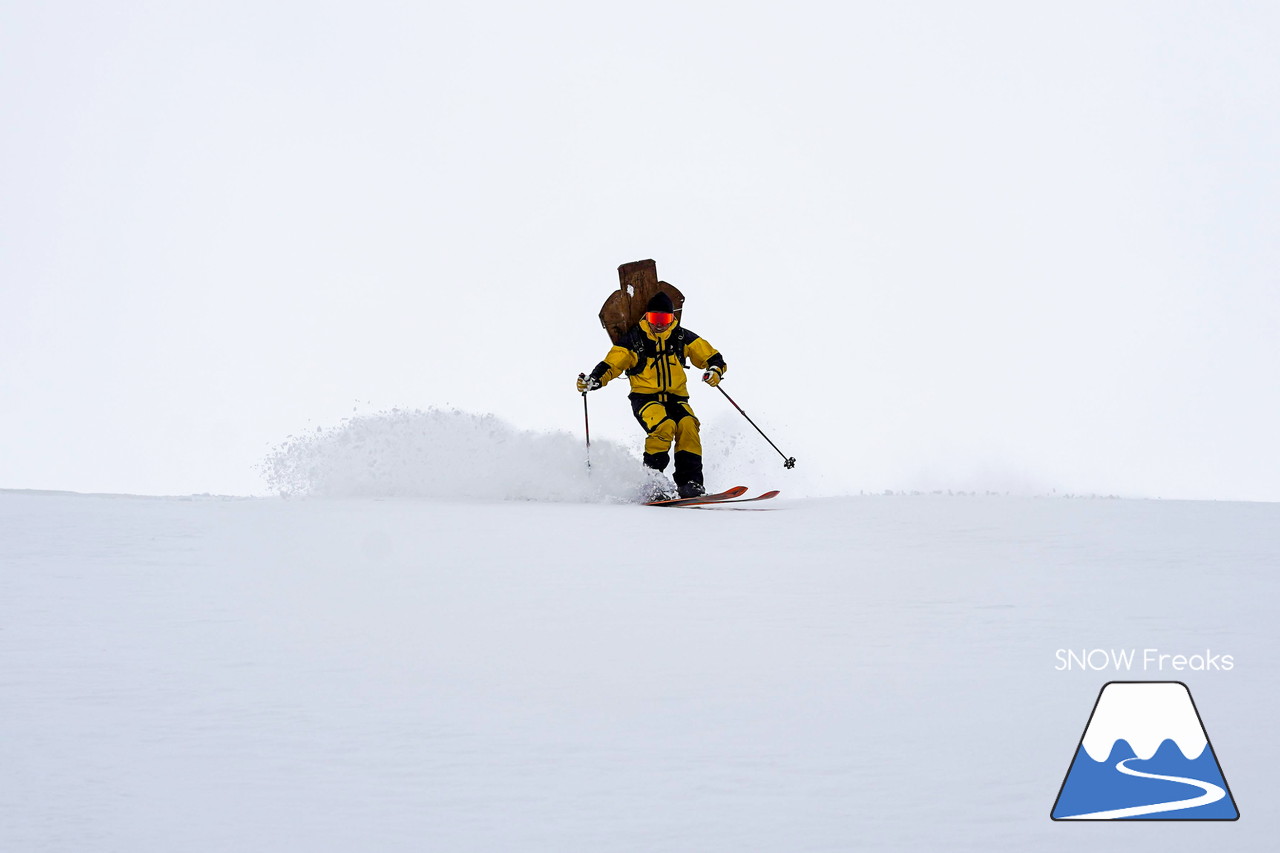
[{"x": 637, "y": 284}]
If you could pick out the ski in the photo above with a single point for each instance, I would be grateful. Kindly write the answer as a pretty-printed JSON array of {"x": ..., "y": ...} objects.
[
  {"x": 727, "y": 494},
  {"x": 764, "y": 497}
]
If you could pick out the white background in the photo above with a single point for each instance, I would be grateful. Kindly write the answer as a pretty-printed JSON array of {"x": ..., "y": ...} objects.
[{"x": 974, "y": 246}]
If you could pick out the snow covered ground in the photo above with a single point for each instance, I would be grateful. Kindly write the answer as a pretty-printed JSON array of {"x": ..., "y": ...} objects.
[{"x": 864, "y": 673}]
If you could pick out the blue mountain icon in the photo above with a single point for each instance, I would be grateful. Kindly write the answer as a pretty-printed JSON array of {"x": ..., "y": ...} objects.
[{"x": 1145, "y": 755}]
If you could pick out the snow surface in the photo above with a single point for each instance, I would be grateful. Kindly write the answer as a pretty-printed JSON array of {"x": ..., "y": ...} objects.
[{"x": 867, "y": 673}]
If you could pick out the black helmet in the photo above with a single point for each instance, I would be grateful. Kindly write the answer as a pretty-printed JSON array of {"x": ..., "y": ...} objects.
[{"x": 660, "y": 302}]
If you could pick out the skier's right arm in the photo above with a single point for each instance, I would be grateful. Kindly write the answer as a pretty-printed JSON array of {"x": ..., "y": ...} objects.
[{"x": 616, "y": 362}]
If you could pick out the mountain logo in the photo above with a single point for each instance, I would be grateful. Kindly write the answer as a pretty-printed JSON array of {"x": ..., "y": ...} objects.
[{"x": 1144, "y": 755}]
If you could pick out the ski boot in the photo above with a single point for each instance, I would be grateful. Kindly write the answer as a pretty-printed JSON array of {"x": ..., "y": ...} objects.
[{"x": 691, "y": 489}]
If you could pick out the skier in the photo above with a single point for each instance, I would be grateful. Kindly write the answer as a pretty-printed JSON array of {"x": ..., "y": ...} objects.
[{"x": 653, "y": 356}]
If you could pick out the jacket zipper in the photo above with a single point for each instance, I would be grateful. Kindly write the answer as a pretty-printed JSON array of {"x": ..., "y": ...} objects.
[{"x": 664, "y": 370}]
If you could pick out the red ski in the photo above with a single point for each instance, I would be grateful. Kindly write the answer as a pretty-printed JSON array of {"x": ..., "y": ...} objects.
[
  {"x": 758, "y": 497},
  {"x": 727, "y": 494}
]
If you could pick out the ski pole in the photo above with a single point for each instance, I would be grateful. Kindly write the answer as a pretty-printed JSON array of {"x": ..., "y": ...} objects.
[
  {"x": 586, "y": 421},
  {"x": 787, "y": 461}
]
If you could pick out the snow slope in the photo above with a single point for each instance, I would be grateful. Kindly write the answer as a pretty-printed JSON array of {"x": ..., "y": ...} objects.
[{"x": 347, "y": 674}]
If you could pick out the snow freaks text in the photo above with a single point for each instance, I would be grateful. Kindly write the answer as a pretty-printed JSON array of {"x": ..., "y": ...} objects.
[{"x": 1144, "y": 660}]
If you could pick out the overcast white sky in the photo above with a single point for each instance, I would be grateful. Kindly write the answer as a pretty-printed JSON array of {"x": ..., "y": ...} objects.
[{"x": 979, "y": 245}]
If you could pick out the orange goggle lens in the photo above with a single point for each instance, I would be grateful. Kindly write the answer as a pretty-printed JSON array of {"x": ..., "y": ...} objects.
[{"x": 660, "y": 318}]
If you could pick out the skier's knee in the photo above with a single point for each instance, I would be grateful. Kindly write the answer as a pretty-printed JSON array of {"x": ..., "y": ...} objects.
[
  {"x": 664, "y": 430},
  {"x": 687, "y": 436}
]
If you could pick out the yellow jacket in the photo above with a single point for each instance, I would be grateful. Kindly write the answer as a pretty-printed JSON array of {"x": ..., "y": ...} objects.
[{"x": 653, "y": 361}]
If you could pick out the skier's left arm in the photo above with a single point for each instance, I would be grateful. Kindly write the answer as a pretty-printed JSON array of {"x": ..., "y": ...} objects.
[{"x": 708, "y": 358}]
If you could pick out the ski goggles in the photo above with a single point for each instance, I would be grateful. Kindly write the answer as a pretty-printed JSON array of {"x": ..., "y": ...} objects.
[{"x": 658, "y": 319}]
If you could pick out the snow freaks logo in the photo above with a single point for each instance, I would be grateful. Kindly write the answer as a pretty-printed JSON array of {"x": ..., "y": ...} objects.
[
  {"x": 1147, "y": 660},
  {"x": 1145, "y": 755}
]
